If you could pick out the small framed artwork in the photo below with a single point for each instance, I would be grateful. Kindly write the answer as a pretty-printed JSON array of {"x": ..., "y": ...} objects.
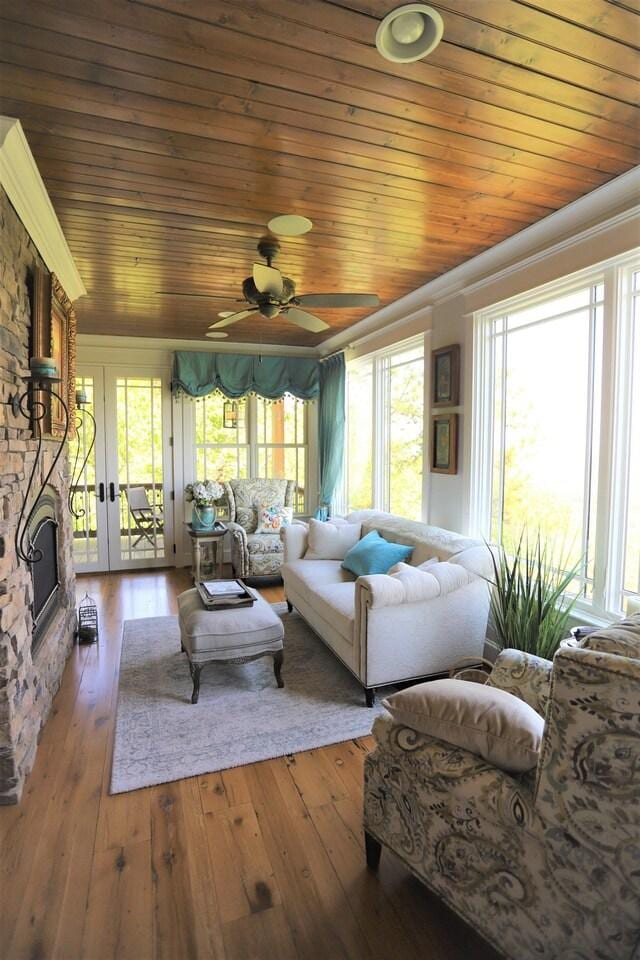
[
  {"x": 62, "y": 349},
  {"x": 444, "y": 443},
  {"x": 445, "y": 376},
  {"x": 53, "y": 334}
]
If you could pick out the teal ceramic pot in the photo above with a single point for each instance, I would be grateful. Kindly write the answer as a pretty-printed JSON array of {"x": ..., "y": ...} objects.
[{"x": 203, "y": 518}]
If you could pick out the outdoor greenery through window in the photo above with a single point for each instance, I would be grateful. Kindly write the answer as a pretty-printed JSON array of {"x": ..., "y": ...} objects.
[
  {"x": 556, "y": 439},
  {"x": 260, "y": 439},
  {"x": 385, "y": 422}
]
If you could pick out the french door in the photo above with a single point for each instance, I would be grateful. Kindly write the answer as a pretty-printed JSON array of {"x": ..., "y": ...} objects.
[{"x": 123, "y": 498}]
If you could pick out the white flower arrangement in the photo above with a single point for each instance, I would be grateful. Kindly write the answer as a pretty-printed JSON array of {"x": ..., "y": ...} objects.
[{"x": 203, "y": 493}]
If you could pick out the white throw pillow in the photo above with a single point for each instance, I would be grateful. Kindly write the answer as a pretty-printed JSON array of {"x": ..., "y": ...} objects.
[
  {"x": 331, "y": 539},
  {"x": 489, "y": 722}
]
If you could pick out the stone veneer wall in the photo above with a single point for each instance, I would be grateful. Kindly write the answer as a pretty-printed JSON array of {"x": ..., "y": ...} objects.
[{"x": 27, "y": 685}]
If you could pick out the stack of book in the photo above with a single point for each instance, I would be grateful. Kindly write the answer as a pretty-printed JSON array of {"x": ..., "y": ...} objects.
[{"x": 225, "y": 594}]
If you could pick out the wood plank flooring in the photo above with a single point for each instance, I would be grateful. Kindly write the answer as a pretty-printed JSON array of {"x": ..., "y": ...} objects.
[{"x": 262, "y": 861}]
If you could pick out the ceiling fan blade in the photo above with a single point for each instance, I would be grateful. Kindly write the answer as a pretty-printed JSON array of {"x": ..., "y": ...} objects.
[
  {"x": 339, "y": 300},
  {"x": 306, "y": 320},
  {"x": 267, "y": 279},
  {"x": 232, "y": 318}
]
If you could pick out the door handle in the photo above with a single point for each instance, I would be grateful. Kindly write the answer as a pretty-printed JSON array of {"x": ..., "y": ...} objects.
[
  {"x": 112, "y": 492},
  {"x": 101, "y": 492}
]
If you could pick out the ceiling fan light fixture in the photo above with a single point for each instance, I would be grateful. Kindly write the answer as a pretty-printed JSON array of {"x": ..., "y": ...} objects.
[
  {"x": 217, "y": 334},
  {"x": 409, "y": 33},
  {"x": 289, "y": 225}
]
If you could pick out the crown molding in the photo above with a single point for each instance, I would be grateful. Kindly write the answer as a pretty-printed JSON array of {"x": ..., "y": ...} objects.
[
  {"x": 602, "y": 209},
  {"x": 150, "y": 346},
  {"x": 24, "y": 186}
]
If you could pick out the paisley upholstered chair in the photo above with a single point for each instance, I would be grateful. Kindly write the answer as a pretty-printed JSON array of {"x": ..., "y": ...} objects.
[
  {"x": 254, "y": 553},
  {"x": 544, "y": 864}
]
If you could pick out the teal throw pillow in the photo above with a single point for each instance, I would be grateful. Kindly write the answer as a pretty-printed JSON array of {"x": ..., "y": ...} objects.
[{"x": 374, "y": 554}]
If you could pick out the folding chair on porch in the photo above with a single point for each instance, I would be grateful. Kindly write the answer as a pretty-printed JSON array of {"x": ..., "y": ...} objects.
[{"x": 149, "y": 521}]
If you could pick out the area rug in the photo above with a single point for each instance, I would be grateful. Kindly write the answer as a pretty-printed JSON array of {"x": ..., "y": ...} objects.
[{"x": 241, "y": 716}]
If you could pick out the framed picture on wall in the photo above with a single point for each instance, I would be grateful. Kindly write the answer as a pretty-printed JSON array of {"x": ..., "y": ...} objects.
[
  {"x": 62, "y": 338},
  {"x": 445, "y": 376},
  {"x": 444, "y": 443},
  {"x": 53, "y": 334}
]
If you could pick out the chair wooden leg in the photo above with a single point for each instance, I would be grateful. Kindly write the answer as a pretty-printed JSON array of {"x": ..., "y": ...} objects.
[
  {"x": 195, "y": 669},
  {"x": 370, "y": 694},
  {"x": 278, "y": 660},
  {"x": 373, "y": 850}
]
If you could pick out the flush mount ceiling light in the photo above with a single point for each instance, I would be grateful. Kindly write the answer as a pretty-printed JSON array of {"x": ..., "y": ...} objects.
[
  {"x": 289, "y": 225},
  {"x": 409, "y": 33}
]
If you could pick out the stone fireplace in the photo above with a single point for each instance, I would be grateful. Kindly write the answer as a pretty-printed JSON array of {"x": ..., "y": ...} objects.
[{"x": 37, "y": 603}]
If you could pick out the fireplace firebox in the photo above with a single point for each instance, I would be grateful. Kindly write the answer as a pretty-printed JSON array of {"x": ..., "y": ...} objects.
[{"x": 43, "y": 534}]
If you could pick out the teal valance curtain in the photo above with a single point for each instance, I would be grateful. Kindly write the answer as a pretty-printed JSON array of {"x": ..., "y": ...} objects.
[
  {"x": 235, "y": 374},
  {"x": 331, "y": 430}
]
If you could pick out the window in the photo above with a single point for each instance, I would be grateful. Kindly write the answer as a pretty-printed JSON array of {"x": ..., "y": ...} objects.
[
  {"x": 221, "y": 452},
  {"x": 554, "y": 447},
  {"x": 262, "y": 439},
  {"x": 385, "y": 421},
  {"x": 281, "y": 443}
]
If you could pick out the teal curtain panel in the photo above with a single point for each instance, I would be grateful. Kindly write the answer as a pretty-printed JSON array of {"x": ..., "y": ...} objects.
[{"x": 331, "y": 430}]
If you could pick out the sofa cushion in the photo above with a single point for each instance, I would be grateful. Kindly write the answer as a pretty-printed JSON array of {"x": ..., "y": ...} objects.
[
  {"x": 374, "y": 554},
  {"x": 307, "y": 575},
  {"x": 427, "y": 541},
  {"x": 331, "y": 539},
  {"x": 489, "y": 722},
  {"x": 335, "y": 603},
  {"x": 264, "y": 543}
]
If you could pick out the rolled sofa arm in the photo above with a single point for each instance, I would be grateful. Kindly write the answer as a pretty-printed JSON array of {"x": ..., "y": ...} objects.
[
  {"x": 411, "y": 585},
  {"x": 525, "y": 676},
  {"x": 294, "y": 539}
]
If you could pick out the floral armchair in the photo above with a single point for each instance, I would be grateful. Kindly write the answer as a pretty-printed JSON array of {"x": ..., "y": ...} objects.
[
  {"x": 545, "y": 864},
  {"x": 255, "y": 554}
]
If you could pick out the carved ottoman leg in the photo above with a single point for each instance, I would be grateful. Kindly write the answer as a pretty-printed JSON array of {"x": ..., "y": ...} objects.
[
  {"x": 278, "y": 660},
  {"x": 195, "y": 669},
  {"x": 373, "y": 849},
  {"x": 370, "y": 694},
  {"x": 289, "y": 607}
]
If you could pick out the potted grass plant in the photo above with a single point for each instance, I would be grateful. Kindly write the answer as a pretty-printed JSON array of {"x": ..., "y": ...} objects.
[{"x": 530, "y": 608}]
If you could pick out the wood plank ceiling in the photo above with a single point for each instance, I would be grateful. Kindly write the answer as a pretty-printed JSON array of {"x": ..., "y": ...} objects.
[{"x": 168, "y": 132}]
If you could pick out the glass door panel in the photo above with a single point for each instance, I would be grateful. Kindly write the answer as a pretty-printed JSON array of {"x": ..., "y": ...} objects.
[
  {"x": 136, "y": 491},
  {"x": 90, "y": 543}
]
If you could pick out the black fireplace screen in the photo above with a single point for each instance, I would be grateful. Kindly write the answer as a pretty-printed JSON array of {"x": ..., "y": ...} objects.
[{"x": 46, "y": 583}]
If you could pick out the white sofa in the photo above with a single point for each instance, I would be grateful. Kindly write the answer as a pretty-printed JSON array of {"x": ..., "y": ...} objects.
[{"x": 387, "y": 629}]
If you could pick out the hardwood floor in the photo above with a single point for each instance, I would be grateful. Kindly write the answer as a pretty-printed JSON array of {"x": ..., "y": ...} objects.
[{"x": 262, "y": 861}]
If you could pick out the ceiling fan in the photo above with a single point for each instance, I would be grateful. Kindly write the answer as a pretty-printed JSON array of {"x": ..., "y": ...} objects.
[{"x": 272, "y": 294}]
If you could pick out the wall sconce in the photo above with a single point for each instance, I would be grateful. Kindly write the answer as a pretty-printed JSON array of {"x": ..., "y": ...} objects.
[
  {"x": 82, "y": 415},
  {"x": 43, "y": 377},
  {"x": 230, "y": 414}
]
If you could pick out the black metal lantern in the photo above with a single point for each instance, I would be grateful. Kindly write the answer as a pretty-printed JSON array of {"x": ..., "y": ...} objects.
[
  {"x": 87, "y": 620},
  {"x": 230, "y": 415}
]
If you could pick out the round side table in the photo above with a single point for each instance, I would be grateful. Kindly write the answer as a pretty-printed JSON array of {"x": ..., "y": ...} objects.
[{"x": 203, "y": 538}]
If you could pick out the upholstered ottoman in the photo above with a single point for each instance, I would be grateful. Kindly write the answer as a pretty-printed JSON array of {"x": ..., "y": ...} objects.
[{"x": 230, "y": 636}]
